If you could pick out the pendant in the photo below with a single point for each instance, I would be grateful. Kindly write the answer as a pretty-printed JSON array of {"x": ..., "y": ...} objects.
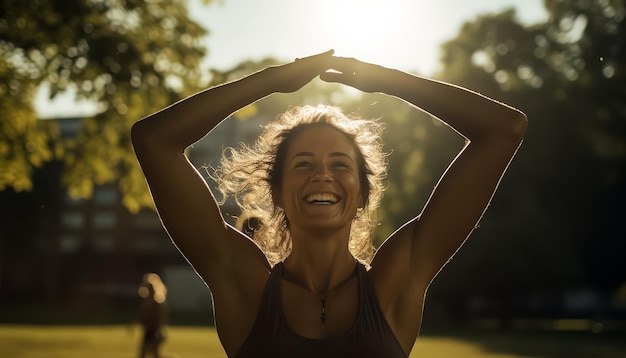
[{"x": 323, "y": 315}]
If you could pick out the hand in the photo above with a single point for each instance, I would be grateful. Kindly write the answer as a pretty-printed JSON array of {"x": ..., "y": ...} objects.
[
  {"x": 363, "y": 76},
  {"x": 293, "y": 76}
]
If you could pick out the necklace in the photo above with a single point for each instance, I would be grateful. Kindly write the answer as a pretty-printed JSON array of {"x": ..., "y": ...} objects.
[{"x": 296, "y": 281}]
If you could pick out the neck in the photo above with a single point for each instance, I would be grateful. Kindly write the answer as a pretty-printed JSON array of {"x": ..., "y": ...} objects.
[{"x": 319, "y": 262}]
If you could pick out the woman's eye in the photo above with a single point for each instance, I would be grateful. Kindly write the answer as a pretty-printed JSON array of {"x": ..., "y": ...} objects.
[
  {"x": 303, "y": 165},
  {"x": 340, "y": 165}
]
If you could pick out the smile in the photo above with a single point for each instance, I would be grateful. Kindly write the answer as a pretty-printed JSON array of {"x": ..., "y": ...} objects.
[{"x": 323, "y": 199}]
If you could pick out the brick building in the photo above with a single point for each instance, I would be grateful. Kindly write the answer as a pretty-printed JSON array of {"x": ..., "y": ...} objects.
[{"x": 57, "y": 249}]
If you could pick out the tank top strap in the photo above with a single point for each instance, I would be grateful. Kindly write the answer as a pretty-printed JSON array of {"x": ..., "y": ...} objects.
[
  {"x": 371, "y": 336},
  {"x": 372, "y": 320}
]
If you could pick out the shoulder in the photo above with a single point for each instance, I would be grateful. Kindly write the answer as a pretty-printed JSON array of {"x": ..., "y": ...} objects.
[
  {"x": 237, "y": 303},
  {"x": 400, "y": 284}
]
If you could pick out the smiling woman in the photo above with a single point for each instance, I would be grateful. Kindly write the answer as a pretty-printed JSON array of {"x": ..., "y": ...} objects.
[{"x": 308, "y": 283}]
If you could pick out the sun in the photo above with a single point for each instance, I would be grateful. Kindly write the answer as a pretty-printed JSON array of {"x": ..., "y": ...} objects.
[{"x": 369, "y": 29}]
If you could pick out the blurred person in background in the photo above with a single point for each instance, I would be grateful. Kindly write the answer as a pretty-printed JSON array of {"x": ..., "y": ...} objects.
[{"x": 153, "y": 314}]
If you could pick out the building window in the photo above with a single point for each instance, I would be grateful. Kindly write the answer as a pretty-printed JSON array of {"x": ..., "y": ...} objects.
[
  {"x": 104, "y": 196},
  {"x": 147, "y": 219},
  {"x": 104, "y": 220},
  {"x": 69, "y": 243},
  {"x": 69, "y": 201},
  {"x": 72, "y": 220},
  {"x": 152, "y": 243},
  {"x": 103, "y": 242}
]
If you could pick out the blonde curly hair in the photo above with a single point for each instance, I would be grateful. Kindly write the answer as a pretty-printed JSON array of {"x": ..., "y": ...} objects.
[{"x": 252, "y": 173}]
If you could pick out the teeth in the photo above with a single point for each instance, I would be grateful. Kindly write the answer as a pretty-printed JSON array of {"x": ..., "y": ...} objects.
[{"x": 322, "y": 198}]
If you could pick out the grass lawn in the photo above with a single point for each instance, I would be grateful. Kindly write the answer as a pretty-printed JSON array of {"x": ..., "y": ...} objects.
[{"x": 190, "y": 342}]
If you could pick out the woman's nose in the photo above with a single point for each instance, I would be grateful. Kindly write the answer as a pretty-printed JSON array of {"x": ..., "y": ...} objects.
[{"x": 322, "y": 174}]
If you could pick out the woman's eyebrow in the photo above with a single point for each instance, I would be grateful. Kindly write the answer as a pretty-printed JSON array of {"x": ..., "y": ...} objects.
[
  {"x": 304, "y": 154},
  {"x": 340, "y": 154},
  {"x": 332, "y": 154},
  {"x": 299, "y": 155}
]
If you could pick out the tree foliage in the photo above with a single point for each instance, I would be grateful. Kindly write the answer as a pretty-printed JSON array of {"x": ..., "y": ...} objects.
[
  {"x": 130, "y": 57},
  {"x": 555, "y": 221},
  {"x": 557, "y": 217}
]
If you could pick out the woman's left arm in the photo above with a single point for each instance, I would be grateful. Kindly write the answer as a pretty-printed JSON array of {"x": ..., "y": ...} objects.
[
  {"x": 493, "y": 133},
  {"x": 415, "y": 253}
]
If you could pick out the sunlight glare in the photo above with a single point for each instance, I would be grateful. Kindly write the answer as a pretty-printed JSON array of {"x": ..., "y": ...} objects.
[{"x": 370, "y": 29}]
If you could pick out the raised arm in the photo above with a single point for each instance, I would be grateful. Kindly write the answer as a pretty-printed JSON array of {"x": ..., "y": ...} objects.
[
  {"x": 232, "y": 265},
  {"x": 408, "y": 261},
  {"x": 493, "y": 131},
  {"x": 184, "y": 202}
]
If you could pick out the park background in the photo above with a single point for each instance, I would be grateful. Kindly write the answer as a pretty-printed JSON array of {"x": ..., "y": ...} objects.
[{"x": 77, "y": 227}]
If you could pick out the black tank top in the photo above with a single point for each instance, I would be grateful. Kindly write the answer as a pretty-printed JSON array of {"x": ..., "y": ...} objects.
[{"x": 271, "y": 336}]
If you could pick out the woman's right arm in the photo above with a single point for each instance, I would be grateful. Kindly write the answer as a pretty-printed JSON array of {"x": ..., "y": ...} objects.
[
  {"x": 185, "y": 205},
  {"x": 183, "y": 200}
]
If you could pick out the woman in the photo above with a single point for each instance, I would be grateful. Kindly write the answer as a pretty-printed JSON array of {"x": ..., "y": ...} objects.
[
  {"x": 152, "y": 315},
  {"x": 306, "y": 291}
]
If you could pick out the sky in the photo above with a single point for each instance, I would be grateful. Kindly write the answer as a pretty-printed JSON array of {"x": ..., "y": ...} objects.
[{"x": 402, "y": 34}]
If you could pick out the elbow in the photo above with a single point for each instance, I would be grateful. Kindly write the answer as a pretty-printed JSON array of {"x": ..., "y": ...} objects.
[
  {"x": 138, "y": 136},
  {"x": 515, "y": 126},
  {"x": 151, "y": 140},
  {"x": 519, "y": 124},
  {"x": 506, "y": 127},
  {"x": 508, "y": 131},
  {"x": 143, "y": 138}
]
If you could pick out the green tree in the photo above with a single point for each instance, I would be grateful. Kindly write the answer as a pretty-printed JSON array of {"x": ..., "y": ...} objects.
[
  {"x": 130, "y": 57},
  {"x": 555, "y": 222}
]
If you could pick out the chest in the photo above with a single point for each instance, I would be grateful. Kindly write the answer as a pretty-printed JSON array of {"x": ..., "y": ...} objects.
[
  {"x": 316, "y": 317},
  {"x": 289, "y": 324}
]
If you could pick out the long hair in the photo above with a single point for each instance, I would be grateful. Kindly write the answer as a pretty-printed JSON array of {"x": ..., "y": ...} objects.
[{"x": 252, "y": 173}]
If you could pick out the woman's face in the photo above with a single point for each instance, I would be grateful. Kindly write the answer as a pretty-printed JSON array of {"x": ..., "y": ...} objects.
[{"x": 320, "y": 180}]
